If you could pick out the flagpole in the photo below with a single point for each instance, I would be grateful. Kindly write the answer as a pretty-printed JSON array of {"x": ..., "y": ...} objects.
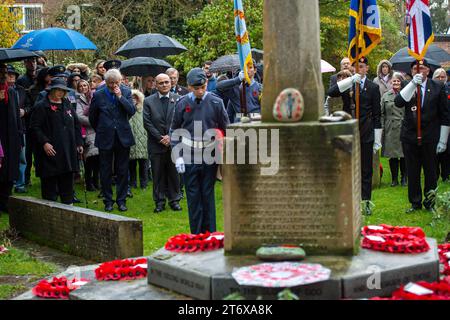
[
  {"x": 357, "y": 87},
  {"x": 419, "y": 109}
]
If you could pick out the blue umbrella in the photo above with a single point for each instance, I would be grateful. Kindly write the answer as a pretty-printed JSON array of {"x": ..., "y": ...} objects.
[{"x": 54, "y": 39}]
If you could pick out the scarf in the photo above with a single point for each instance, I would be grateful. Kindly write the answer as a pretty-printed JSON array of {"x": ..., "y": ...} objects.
[{"x": 4, "y": 87}]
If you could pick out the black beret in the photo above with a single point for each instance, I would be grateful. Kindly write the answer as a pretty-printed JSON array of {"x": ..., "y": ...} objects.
[
  {"x": 196, "y": 77},
  {"x": 363, "y": 60},
  {"x": 423, "y": 62},
  {"x": 112, "y": 64},
  {"x": 57, "y": 71}
]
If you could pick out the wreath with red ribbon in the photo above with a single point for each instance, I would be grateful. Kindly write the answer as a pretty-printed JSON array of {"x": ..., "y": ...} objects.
[
  {"x": 127, "y": 269},
  {"x": 195, "y": 242},
  {"x": 444, "y": 258},
  {"x": 394, "y": 239},
  {"x": 441, "y": 291},
  {"x": 58, "y": 288}
]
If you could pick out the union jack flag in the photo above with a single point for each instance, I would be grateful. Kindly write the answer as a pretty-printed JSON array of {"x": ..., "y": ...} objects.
[{"x": 418, "y": 27}]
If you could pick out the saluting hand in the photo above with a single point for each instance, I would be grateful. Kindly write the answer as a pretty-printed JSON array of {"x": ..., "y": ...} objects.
[{"x": 49, "y": 151}]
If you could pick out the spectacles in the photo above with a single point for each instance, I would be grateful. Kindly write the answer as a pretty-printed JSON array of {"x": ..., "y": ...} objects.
[{"x": 163, "y": 83}]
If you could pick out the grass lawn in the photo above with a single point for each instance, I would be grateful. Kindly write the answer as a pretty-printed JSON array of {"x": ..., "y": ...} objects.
[{"x": 390, "y": 203}]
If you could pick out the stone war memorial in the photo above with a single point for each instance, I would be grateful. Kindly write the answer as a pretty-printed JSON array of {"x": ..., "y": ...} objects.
[{"x": 309, "y": 197}]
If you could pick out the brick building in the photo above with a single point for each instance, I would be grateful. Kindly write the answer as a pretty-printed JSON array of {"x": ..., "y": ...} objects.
[
  {"x": 36, "y": 14},
  {"x": 443, "y": 41}
]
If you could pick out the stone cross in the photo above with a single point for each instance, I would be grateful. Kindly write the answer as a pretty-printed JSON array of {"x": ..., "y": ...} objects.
[{"x": 292, "y": 55}]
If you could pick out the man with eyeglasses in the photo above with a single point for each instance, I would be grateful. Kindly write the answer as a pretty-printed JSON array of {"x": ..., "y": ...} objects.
[
  {"x": 199, "y": 114},
  {"x": 158, "y": 113}
]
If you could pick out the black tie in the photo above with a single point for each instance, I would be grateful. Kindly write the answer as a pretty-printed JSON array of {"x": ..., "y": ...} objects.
[
  {"x": 198, "y": 100},
  {"x": 165, "y": 104}
]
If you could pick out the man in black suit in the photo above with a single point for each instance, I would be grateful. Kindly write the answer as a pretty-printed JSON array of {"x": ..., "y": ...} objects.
[
  {"x": 110, "y": 110},
  {"x": 435, "y": 123},
  {"x": 158, "y": 114},
  {"x": 175, "y": 87},
  {"x": 369, "y": 123}
]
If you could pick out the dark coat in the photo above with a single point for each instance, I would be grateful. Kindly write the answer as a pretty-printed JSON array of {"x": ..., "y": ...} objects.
[
  {"x": 109, "y": 119},
  {"x": 370, "y": 109},
  {"x": 62, "y": 130},
  {"x": 157, "y": 122},
  {"x": 435, "y": 113},
  {"x": 11, "y": 137},
  {"x": 179, "y": 90}
]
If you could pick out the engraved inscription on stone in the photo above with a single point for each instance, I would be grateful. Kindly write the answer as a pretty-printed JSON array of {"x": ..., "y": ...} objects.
[{"x": 311, "y": 201}]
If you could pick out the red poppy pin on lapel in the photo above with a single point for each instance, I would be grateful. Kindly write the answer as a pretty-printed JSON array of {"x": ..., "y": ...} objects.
[{"x": 188, "y": 109}]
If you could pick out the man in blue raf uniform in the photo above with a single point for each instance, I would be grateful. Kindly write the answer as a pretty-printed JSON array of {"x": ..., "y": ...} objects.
[
  {"x": 198, "y": 108},
  {"x": 369, "y": 123},
  {"x": 111, "y": 107},
  {"x": 435, "y": 120},
  {"x": 232, "y": 90}
]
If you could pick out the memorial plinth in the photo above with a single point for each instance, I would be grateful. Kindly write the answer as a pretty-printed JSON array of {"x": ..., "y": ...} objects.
[
  {"x": 207, "y": 275},
  {"x": 314, "y": 198}
]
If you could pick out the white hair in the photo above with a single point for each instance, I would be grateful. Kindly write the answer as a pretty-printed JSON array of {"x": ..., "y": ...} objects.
[
  {"x": 113, "y": 74},
  {"x": 438, "y": 72},
  {"x": 171, "y": 70}
]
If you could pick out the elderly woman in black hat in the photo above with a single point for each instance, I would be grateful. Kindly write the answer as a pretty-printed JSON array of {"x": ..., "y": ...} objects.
[{"x": 58, "y": 143}]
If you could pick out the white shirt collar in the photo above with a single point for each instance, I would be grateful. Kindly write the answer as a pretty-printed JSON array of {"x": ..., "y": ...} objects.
[{"x": 161, "y": 96}]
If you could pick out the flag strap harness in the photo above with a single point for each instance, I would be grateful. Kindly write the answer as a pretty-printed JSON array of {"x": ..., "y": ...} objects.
[
  {"x": 127, "y": 269},
  {"x": 394, "y": 239},
  {"x": 189, "y": 243}
]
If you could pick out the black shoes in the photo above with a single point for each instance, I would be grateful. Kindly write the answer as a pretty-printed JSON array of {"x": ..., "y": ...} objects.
[
  {"x": 159, "y": 209},
  {"x": 123, "y": 207},
  {"x": 394, "y": 183},
  {"x": 413, "y": 209},
  {"x": 109, "y": 207},
  {"x": 75, "y": 199},
  {"x": 90, "y": 188},
  {"x": 20, "y": 190},
  {"x": 176, "y": 207},
  {"x": 404, "y": 182}
]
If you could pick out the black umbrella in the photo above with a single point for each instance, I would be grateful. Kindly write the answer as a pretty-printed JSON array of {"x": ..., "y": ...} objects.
[
  {"x": 404, "y": 64},
  {"x": 150, "y": 45},
  {"x": 228, "y": 63},
  {"x": 257, "y": 54},
  {"x": 13, "y": 55},
  {"x": 144, "y": 66},
  {"x": 434, "y": 52}
]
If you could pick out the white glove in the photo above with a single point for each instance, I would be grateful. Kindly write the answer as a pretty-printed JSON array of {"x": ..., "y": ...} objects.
[
  {"x": 408, "y": 92},
  {"x": 442, "y": 145},
  {"x": 179, "y": 164},
  {"x": 241, "y": 76},
  {"x": 347, "y": 83},
  {"x": 418, "y": 79},
  {"x": 377, "y": 144}
]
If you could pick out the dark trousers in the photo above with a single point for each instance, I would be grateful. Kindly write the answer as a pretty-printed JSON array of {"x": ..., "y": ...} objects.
[
  {"x": 92, "y": 168},
  {"x": 443, "y": 166},
  {"x": 61, "y": 185},
  {"x": 143, "y": 172},
  {"x": 5, "y": 192},
  {"x": 120, "y": 155},
  {"x": 418, "y": 157},
  {"x": 28, "y": 156},
  {"x": 166, "y": 181},
  {"x": 395, "y": 164},
  {"x": 199, "y": 182},
  {"x": 366, "y": 170}
]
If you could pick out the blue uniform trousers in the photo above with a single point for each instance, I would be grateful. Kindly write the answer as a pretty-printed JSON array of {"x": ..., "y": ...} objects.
[{"x": 199, "y": 181}]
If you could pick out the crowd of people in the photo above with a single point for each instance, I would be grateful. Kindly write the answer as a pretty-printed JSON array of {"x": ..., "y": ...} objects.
[
  {"x": 116, "y": 130},
  {"x": 67, "y": 121}
]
